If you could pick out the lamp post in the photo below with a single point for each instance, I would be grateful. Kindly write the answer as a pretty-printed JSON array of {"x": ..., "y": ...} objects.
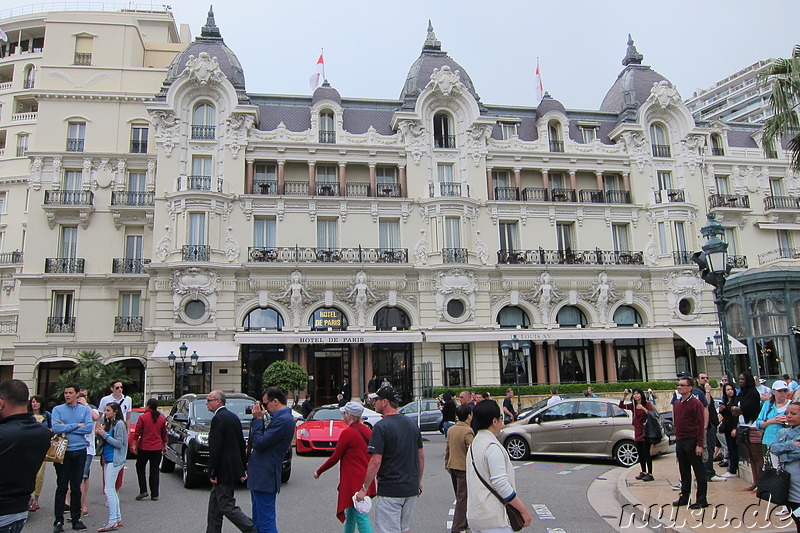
[
  {"x": 516, "y": 354},
  {"x": 714, "y": 347},
  {"x": 182, "y": 372},
  {"x": 714, "y": 270}
]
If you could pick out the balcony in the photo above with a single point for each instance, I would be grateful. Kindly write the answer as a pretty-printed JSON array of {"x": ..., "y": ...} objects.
[
  {"x": 8, "y": 326},
  {"x": 28, "y": 83},
  {"x": 665, "y": 196},
  {"x": 5, "y": 85},
  {"x": 11, "y": 258},
  {"x": 780, "y": 253},
  {"x": 302, "y": 254},
  {"x": 455, "y": 255},
  {"x": 195, "y": 252},
  {"x": 327, "y": 189},
  {"x": 592, "y": 196},
  {"x": 535, "y": 194},
  {"x": 296, "y": 188},
  {"x": 25, "y": 117},
  {"x": 61, "y": 324},
  {"x": 556, "y": 146},
  {"x": 737, "y": 261},
  {"x": 661, "y": 150},
  {"x": 569, "y": 257},
  {"x": 132, "y": 198},
  {"x": 614, "y": 196},
  {"x": 129, "y": 266},
  {"x": 444, "y": 141},
  {"x": 781, "y": 202},
  {"x": 203, "y": 133},
  {"x": 63, "y": 265},
  {"x": 269, "y": 187},
  {"x": 717, "y": 151},
  {"x": 559, "y": 194},
  {"x": 682, "y": 257},
  {"x": 22, "y": 151},
  {"x": 75, "y": 145},
  {"x": 138, "y": 147},
  {"x": 327, "y": 137},
  {"x": 733, "y": 201},
  {"x": 506, "y": 194},
  {"x": 127, "y": 324},
  {"x": 390, "y": 189},
  {"x": 448, "y": 189},
  {"x": 198, "y": 183},
  {"x": 82, "y": 58},
  {"x": 83, "y": 198},
  {"x": 357, "y": 189}
]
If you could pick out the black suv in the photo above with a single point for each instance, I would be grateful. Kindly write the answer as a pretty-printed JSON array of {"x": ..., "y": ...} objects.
[{"x": 188, "y": 425}]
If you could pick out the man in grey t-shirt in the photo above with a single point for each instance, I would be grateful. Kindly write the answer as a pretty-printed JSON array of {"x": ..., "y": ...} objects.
[{"x": 397, "y": 459}]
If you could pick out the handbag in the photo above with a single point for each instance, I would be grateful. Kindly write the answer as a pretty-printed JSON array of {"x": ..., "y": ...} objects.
[
  {"x": 773, "y": 486},
  {"x": 743, "y": 435},
  {"x": 58, "y": 448},
  {"x": 514, "y": 515}
]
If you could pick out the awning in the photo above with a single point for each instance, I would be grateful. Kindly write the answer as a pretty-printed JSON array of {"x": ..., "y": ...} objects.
[
  {"x": 560, "y": 334},
  {"x": 778, "y": 225},
  {"x": 208, "y": 351},
  {"x": 696, "y": 338},
  {"x": 317, "y": 337}
]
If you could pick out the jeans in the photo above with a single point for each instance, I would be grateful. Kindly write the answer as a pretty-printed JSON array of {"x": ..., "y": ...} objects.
[
  {"x": 447, "y": 425},
  {"x": 69, "y": 474},
  {"x": 14, "y": 527},
  {"x": 353, "y": 518},
  {"x": 110, "y": 472},
  {"x": 154, "y": 457},
  {"x": 264, "y": 511}
]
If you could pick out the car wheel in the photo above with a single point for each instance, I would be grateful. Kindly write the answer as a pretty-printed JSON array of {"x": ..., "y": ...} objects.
[
  {"x": 167, "y": 466},
  {"x": 517, "y": 448},
  {"x": 191, "y": 478},
  {"x": 286, "y": 474},
  {"x": 625, "y": 453}
]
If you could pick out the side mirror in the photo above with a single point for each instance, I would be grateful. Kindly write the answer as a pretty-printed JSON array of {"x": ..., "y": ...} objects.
[
  {"x": 180, "y": 417},
  {"x": 536, "y": 419}
]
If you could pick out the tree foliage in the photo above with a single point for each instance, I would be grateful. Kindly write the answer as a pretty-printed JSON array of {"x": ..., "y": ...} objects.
[
  {"x": 90, "y": 373},
  {"x": 285, "y": 375},
  {"x": 784, "y": 76}
]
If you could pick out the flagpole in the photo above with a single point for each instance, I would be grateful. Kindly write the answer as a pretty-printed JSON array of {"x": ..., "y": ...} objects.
[{"x": 322, "y": 53}]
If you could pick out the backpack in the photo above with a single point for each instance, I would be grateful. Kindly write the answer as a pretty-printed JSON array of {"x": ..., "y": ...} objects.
[{"x": 652, "y": 429}]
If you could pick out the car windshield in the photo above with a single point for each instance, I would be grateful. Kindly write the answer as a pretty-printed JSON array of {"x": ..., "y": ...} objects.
[
  {"x": 326, "y": 414},
  {"x": 234, "y": 405},
  {"x": 135, "y": 417}
]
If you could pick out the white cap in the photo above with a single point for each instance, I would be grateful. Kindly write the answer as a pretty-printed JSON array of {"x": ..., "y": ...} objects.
[
  {"x": 353, "y": 408},
  {"x": 780, "y": 385}
]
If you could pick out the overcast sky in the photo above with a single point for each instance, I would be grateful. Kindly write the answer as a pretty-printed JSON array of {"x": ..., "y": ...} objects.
[{"x": 370, "y": 45}]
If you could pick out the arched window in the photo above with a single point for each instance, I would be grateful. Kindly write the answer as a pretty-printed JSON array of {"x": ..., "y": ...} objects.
[
  {"x": 554, "y": 134},
  {"x": 263, "y": 320},
  {"x": 204, "y": 121},
  {"x": 30, "y": 77},
  {"x": 717, "y": 148},
  {"x": 443, "y": 134},
  {"x": 659, "y": 140},
  {"x": 327, "y": 130},
  {"x": 627, "y": 316},
  {"x": 391, "y": 318},
  {"x": 516, "y": 366},
  {"x": 511, "y": 317},
  {"x": 570, "y": 317},
  {"x": 328, "y": 319}
]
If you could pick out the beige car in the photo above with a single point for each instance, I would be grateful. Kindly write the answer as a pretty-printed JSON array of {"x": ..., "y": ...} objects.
[{"x": 589, "y": 427}]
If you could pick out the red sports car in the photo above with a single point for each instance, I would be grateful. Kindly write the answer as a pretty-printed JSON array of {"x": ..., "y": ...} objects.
[
  {"x": 320, "y": 432},
  {"x": 135, "y": 414}
]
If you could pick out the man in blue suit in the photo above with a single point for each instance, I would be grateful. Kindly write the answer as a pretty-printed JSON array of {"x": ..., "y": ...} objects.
[{"x": 269, "y": 441}]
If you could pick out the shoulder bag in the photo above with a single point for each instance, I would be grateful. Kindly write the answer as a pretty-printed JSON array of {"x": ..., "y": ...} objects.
[
  {"x": 57, "y": 450},
  {"x": 743, "y": 435},
  {"x": 773, "y": 485},
  {"x": 514, "y": 516}
]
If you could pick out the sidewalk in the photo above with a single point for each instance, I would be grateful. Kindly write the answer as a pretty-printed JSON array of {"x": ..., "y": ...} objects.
[{"x": 731, "y": 509}]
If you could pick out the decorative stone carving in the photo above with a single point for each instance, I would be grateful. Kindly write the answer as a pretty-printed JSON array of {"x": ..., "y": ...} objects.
[
  {"x": 602, "y": 294},
  {"x": 239, "y": 128},
  {"x": 455, "y": 282},
  {"x": 692, "y": 151},
  {"x": 231, "y": 246},
  {"x": 8, "y": 284},
  {"x": 192, "y": 283},
  {"x": 35, "y": 168},
  {"x": 682, "y": 284},
  {"x": 650, "y": 251},
  {"x": 544, "y": 295},
  {"x": 481, "y": 251},
  {"x": 637, "y": 147},
  {"x": 167, "y": 124},
  {"x": 665, "y": 95},
  {"x": 103, "y": 177},
  {"x": 413, "y": 136},
  {"x": 203, "y": 69},
  {"x": 477, "y": 137},
  {"x": 360, "y": 296},
  {"x": 164, "y": 245},
  {"x": 421, "y": 248},
  {"x": 446, "y": 81},
  {"x": 296, "y": 296}
]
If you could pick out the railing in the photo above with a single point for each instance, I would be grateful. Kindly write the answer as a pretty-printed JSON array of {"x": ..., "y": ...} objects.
[
  {"x": 455, "y": 255},
  {"x": 132, "y": 198},
  {"x": 75, "y": 145},
  {"x": 737, "y": 261},
  {"x": 717, "y": 151},
  {"x": 781, "y": 202},
  {"x": 24, "y": 117},
  {"x": 556, "y": 146},
  {"x": 390, "y": 189},
  {"x": 296, "y": 188},
  {"x": 203, "y": 132},
  {"x": 535, "y": 194},
  {"x": 61, "y": 324},
  {"x": 22, "y": 151},
  {"x": 63, "y": 265},
  {"x": 444, "y": 141},
  {"x": 138, "y": 147},
  {"x": 129, "y": 266},
  {"x": 591, "y": 196},
  {"x": 6, "y": 85},
  {"x": 68, "y": 197},
  {"x": 780, "y": 253},
  {"x": 569, "y": 257},
  {"x": 83, "y": 58},
  {"x": 614, "y": 196},
  {"x": 195, "y": 252},
  {"x": 328, "y": 137},
  {"x": 559, "y": 194},
  {"x": 741, "y": 201},
  {"x": 269, "y": 187},
  {"x": 8, "y": 326},
  {"x": 2, "y": 152},
  {"x": 357, "y": 189},
  {"x": 661, "y": 150},
  {"x": 28, "y": 84},
  {"x": 506, "y": 194},
  {"x": 682, "y": 257},
  {"x": 127, "y": 324},
  {"x": 302, "y": 254},
  {"x": 448, "y": 189},
  {"x": 327, "y": 189},
  {"x": 11, "y": 257},
  {"x": 198, "y": 183},
  {"x": 670, "y": 195}
]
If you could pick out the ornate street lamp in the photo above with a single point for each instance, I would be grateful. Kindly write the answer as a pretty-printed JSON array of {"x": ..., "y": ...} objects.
[
  {"x": 182, "y": 372},
  {"x": 516, "y": 354}
]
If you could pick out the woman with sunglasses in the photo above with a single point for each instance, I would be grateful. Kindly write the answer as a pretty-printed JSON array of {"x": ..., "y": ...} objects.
[{"x": 115, "y": 434}]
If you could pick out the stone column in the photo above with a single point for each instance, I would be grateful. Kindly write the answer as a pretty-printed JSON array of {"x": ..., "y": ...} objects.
[
  {"x": 281, "y": 176},
  {"x": 312, "y": 178},
  {"x": 248, "y": 177},
  {"x": 303, "y": 355},
  {"x": 626, "y": 181},
  {"x": 573, "y": 181},
  {"x": 368, "y": 363},
  {"x": 611, "y": 361},
  {"x": 342, "y": 178},
  {"x": 599, "y": 176},
  {"x": 541, "y": 378},
  {"x": 552, "y": 362},
  {"x": 489, "y": 188},
  {"x": 546, "y": 179},
  {"x": 403, "y": 181},
  {"x": 373, "y": 181},
  {"x": 355, "y": 375},
  {"x": 600, "y": 374},
  {"x": 518, "y": 182}
]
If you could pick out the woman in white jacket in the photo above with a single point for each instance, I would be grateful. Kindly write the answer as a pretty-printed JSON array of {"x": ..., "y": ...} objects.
[{"x": 488, "y": 459}]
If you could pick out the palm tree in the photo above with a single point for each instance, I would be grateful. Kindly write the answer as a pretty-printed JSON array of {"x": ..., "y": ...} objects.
[
  {"x": 784, "y": 75},
  {"x": 90, "y": 373}
]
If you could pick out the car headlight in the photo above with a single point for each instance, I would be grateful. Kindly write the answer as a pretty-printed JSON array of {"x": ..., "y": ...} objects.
[
  {"x": 304, "y": 432},
  {"x": 202, "y": 438}
]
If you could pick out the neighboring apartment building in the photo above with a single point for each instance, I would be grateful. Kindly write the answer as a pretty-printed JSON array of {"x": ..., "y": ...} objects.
[
  {"x": 740, "y": 97},
  {"x": 406, "y": 238}
]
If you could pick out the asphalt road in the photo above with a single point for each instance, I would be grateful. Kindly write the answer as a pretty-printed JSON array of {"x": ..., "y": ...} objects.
[{"x": 554, "y": 488}]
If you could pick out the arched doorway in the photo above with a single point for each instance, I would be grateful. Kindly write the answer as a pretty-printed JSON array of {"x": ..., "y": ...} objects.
[
  {"x": 394, "y": 361},
  {"x": 328, "y": 364},
  {"x": 257, "y": 357},
  {"x": 573, "y": 355}
]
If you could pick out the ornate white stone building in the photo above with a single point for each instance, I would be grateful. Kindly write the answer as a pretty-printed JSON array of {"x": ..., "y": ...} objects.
[{"x": 405, "y": 238}]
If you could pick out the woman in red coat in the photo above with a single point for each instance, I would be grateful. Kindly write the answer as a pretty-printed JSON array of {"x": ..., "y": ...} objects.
[
  {"x": 149, "y": 444},
  {"x": 351, "y": 450},
  {"x": 639, "y": 406}
]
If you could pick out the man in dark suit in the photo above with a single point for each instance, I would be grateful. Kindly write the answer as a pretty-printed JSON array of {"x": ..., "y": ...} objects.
[
  {"x": 226, "y": 464},
  {"x": 269, "y": 441}
]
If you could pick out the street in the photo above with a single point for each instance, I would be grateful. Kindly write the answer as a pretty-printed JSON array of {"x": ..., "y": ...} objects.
[{"x": 554, "y": 488}]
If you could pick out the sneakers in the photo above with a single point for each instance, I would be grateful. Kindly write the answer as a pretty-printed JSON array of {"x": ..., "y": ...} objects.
[
  {"x": 141, "y": 496},
  {"x": 723, "y": 464},
  {"x": 699, "y": 505},
  {"x": 58, "y": 527},
  {"x": 718, "y": 478},
  {"x": 648, "y": 477},
  {"x": 783, "y": 511},
  {"x": 641, "y": 475},
  {"x": 78, "y": 525},
  {"x": 728, "y": 475},
  {"x": 677, "y": 486},
  {"x": 680, "y": 502},
  {"x": 107, "y": 527},
  {"x": 154, "y": 498}
]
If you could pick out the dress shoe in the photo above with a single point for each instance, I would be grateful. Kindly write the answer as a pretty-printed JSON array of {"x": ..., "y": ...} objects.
[
  {"x": 77, "y": 524},
  {"x": 154, "y": 498},
  {"x": 699, "y": 505},
  {"x": 680, "y": 502},
  {"x": 141, "y": 496},
  {"x": 58, "y": 527},
  {"x": 640, "y": 476},
  {"x": 648, "y": 477},
  {"x": 723, "y": 464}
]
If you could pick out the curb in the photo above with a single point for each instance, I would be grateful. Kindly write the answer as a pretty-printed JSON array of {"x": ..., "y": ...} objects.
[{"x": 626, "y": 497}]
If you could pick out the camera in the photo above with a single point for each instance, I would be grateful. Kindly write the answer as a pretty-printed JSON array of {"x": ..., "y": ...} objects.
[
  {"x": 627, "y": 391},
  {"x": 248, "y": 410}
]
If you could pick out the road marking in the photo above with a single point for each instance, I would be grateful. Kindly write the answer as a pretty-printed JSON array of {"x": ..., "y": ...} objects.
[
  {"x": 579, "y": 467},
  {"x": 563, "y": 472},
  {"x": 556, "y": 530},
  {"x": 543, "y": 512}
]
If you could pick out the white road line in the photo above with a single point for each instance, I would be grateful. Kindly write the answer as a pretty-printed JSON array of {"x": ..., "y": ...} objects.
[
  {"x": 543, "y": 512},
  {"x": 556, "y": 530},
  {"x": 564, "y": 472},
  {"x": 579, "y": 467}
]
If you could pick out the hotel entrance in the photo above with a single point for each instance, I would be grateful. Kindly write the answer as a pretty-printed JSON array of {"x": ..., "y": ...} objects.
[{"x": 331, "y": 363}]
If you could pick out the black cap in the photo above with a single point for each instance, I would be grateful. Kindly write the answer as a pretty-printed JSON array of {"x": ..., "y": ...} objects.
[
  {"x": 385, "y": 393},
  {"x": 685, "y": 374}
]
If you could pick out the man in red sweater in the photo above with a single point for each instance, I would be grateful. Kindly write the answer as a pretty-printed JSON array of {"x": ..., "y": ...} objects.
[{"x": 688, "y": 415}]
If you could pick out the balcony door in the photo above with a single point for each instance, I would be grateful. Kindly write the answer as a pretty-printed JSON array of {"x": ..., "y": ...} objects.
[
  {"x": 68, "y": 245},
  {"x": 326, "y": 235},
  {"x": 197, "y": 229},
  {"x": 565, "y": 238},
  {"x": 133, "y": 247}
]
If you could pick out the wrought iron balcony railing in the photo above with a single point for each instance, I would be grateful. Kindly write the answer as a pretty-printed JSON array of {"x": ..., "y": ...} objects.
[
  {"x": 506, "y": 194},
  {"x": 559, "y": 194},
  {"x": 61, "y": 324},
  {"x": 389, "y": 189},
  {"x": 269, "y": 187},
  {"x": 327, "y": 137},
  {"x": 616, "y": 196},
  {"x": 85, "y": 198},
  {"x": 661, "y": 150},
  {"x": 781, "y": 202},
  {"x": 448, "y": 189},
  {"x": 302, "y": 254},
  {"x": 64, "y": 265},
  {"x": 737, "y": 261},
  {"x": 327, "y": 189},
  {"x": 569, "y": 257},
  {"x": 591, "y": 196},
  {"x": 717, "y": 151},
  {"x": 455, "y": 255},
  {"x": 75, "y": 145},
  {"x": 780, "y": 253},
  {"x": 127, "y": 324},
  {"x": 138, "y": 147},
  {"x": 556, "y": 146},
  {"x": 125, "y": 265},
  {"x": 132, "y": 198},
  {"x": 444, "y": 141},
  {"x": 196, "y": 252},
  {"x": 682, "y": 257},
  {"x": 203, "y": 132},
  {"x": 739, "y": 201},
  {"x": 670, "y": 195}
]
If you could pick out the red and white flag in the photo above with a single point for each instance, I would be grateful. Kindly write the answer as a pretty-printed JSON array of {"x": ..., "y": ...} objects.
[
  {"x": 3, "y": 36},
  {"x": 316, "y": 80},
  {"x": 539, "y": 86}
]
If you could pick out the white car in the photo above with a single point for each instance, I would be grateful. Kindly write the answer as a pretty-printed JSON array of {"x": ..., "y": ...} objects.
[{"x": 370, "y": 417}]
